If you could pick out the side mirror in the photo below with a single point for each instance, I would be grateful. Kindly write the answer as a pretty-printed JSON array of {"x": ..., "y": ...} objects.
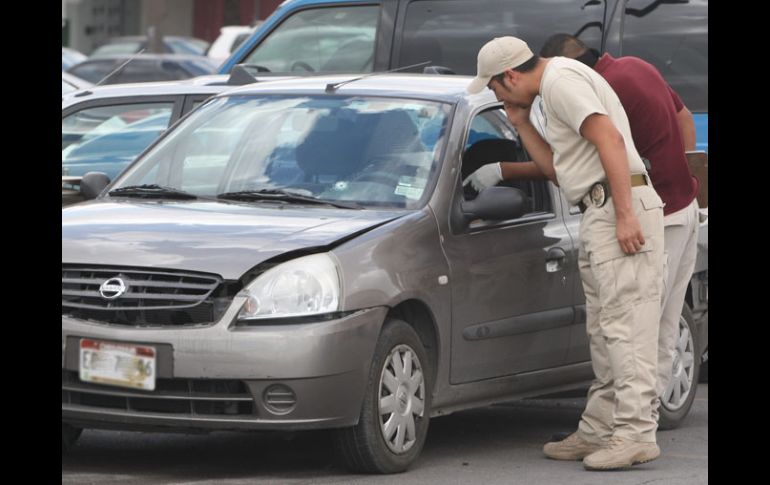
[
  {"x": 495, "y": 203},
  {"x": 92, "y": 184}
]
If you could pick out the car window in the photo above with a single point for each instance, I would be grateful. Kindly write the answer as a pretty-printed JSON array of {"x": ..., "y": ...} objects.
[
  {"x": 379, "y": 152},
  {"x": 488, "y": 125},
  {"x": 491, "y": 138},
  {"x": 450, "y": 34},
  {"x": 334, "y": 39},
  {"x": 138, "y": 71},
  {"x": 107, "y": 138},
  {"x": 180, "y": 46},
  {"x": 673, "y": 36},
  {"x": 117, "y": 49},
  {"x": 93, "y": 71}
]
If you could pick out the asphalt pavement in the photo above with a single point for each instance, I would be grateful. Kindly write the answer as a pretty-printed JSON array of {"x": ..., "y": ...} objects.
[{"x": 499, "y": 444}]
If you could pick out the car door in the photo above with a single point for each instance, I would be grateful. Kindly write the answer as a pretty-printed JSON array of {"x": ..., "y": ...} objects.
[
  {"x": 513, "y": 281},
  {"x": 579, "y": 350}
]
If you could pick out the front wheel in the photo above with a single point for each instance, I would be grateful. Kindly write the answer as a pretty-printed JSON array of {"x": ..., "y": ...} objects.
[
  {"x": 679, "y": 395},
  {"x": 394, "y": 417}
]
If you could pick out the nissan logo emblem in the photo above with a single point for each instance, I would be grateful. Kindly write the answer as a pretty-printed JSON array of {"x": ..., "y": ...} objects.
[{"x": 112, "y": 288}]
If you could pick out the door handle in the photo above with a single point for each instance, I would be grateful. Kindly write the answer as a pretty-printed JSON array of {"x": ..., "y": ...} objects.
[{"x": 554, "y": 259}]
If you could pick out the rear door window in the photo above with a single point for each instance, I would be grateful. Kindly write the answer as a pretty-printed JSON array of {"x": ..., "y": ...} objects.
[
  {"x": 450, "y": 32},
  {"x": 673, "y": 36}
]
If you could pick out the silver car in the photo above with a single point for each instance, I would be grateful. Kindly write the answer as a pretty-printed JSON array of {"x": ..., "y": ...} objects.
[{"x": 302, "y": 254}]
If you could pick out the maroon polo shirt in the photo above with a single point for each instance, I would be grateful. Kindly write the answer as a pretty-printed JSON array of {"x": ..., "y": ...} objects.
[{"x": 651, "y": 106}]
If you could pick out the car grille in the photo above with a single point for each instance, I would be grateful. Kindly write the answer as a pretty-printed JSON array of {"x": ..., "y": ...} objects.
[
  {"x": 152, "y": 296},
  {"x": 178, "y": 397}
]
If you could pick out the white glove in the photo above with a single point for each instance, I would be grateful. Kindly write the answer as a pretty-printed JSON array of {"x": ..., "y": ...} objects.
[{"x": 486, "y": 176}]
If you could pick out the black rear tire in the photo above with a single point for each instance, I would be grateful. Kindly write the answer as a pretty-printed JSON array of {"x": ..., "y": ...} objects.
[
  {"x": 69, "y": 435},
  {"x": 364, "y": 448}
]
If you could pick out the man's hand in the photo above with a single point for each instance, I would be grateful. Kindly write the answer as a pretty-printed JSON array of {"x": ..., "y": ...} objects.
[
  {"x": 486, "y": 176},
  {"x": 516, "y": 114},
  {"x": 629, "y": 234}
]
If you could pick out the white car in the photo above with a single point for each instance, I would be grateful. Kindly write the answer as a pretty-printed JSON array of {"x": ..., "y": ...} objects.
[
  {"x": 70, "y": 83},
  {"x": 230, "y": 37}
]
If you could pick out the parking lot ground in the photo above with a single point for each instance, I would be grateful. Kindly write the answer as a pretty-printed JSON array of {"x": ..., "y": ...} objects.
[{"x": 499, "y": 444}]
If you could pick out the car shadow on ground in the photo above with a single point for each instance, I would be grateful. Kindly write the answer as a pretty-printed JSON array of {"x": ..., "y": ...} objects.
[{"x": 224, "y": 455}]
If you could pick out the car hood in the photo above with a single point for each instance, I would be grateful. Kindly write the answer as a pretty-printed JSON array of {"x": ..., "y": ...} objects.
[{"x": 212, "y": 237}]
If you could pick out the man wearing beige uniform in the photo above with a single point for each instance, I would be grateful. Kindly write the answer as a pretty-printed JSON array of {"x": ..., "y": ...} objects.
[{"x": 590, "y": 153}]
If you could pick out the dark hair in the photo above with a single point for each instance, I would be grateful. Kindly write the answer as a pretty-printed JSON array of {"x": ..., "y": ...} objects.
[
  {"x": 561, "y": 45},
  {"x": 569, "y": 46},
  {"x": 528, "y": 65}
]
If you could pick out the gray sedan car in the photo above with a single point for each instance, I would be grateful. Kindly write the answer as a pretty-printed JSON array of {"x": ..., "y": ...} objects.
[{"x": 301, "y": 254}]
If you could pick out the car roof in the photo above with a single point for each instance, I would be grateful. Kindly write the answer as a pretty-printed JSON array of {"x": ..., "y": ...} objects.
[
  {"x": 201, "y": 85},
  {"x": 133, "y": 38},
  {"x": 435, "y": 87},
  {"x": 211, "y": 84}
]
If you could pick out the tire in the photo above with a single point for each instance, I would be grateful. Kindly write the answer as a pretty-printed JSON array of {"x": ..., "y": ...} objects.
[
  {"x": 389, "y": 439},
  {"x": 677, "y": 399},
  {"x": 69, "y": 435}
]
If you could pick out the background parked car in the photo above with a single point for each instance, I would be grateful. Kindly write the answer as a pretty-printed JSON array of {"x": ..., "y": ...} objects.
[
  {"x": 132, "y": 44},
  {"x": 70, "y": 57},
  {"x": 143, "y": 68},
  {"x": 107, "y": 128},
  {"x": 230, "y": 38},
  {"x": 377, "y": 35}
]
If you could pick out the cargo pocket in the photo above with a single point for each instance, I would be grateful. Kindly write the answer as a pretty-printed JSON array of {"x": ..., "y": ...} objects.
[
  {"x": 625, "y": 279},
  {"x": 651, "y": 201}
]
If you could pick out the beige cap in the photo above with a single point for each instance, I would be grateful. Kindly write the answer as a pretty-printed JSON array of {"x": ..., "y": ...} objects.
[{"x": 496, "y": 56}]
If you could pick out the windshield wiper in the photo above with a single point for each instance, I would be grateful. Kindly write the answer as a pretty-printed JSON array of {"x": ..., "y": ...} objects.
[
  {"x": 152, "y": 191},
  {"x": 285, "y": 196}
]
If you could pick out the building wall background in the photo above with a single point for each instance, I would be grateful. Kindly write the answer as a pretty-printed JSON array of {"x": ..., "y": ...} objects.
[{"x": 86, "y": 24}]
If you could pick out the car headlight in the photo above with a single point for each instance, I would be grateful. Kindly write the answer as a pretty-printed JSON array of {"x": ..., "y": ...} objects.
[{"x": 305, "y": 286}]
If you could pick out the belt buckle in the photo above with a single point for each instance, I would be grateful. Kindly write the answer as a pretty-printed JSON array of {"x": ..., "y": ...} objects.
[{"x": 598, "y": 194}]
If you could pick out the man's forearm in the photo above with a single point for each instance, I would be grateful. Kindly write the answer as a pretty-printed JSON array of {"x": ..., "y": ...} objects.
[
  {"x": 687, "y": 125},
  {"x": 521, "y": 170},
  {"x": 615, "y": 162},
  {"x": 538, "y": 149}
]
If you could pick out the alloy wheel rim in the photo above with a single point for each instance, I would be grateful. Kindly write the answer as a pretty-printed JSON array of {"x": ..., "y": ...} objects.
[{"x": 683, "y": 369}]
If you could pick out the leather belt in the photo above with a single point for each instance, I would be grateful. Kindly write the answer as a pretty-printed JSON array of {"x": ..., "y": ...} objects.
[{"x": 600, "y": 192}]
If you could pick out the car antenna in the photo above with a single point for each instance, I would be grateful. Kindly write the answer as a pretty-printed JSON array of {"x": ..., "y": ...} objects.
[
  {"x": 120, "y": 66},
  {"x": 331, "y": 87}
]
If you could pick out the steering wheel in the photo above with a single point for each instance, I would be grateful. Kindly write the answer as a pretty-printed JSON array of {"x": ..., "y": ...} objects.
[{"x": 304, "y": 65}]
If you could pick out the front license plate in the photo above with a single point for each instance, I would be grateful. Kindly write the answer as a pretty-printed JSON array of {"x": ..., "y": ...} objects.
[{"x": 114, "y": 364}]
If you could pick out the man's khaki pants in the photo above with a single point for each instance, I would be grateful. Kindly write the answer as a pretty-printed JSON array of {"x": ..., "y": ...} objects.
[
  {"x": 623, "y": 307},
  {"x": 681, "y": 243}
]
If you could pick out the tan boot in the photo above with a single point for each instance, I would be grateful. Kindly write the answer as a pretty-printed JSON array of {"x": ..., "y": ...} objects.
[
  {"x": 621, "y": 453},
  {"x": 573, "y": 447}
]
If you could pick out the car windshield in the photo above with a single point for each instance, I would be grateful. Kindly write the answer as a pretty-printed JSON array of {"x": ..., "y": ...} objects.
[{"x": 371, "y": 151}]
